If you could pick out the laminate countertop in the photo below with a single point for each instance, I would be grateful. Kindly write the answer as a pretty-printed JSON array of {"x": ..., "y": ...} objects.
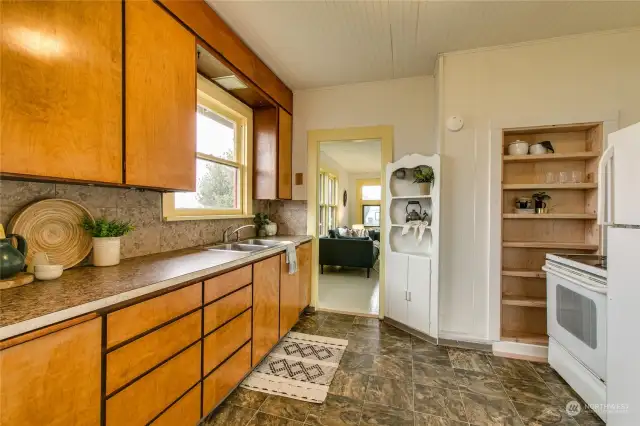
[{"x": 89, "y": 289}]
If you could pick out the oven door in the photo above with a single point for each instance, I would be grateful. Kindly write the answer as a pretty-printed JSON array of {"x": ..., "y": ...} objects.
[{"x": 576, "y": 318}]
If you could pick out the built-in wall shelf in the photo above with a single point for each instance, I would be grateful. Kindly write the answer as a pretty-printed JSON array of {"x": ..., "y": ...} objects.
[
  {"x": 410, "y": 197},
  {"x": 538, "y": 186},
  {"x": 563, "y": 156},
  {"x": 568, "y": 176},
  {"x": 579, "y": 216},
  {"x": 529, "y": 302},
  {"x": 523, "y": 273},
  {"x": 550, "y": 245},
  {"x": 524, "y": 337}
]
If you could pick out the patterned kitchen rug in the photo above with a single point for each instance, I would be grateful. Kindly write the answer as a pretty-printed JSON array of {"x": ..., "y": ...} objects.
[{"x": 301, "y": 366}]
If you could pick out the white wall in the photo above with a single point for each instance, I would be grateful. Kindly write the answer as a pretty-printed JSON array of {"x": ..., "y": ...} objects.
[
  {"x": 582, "y": 76},
  {"x": 330, "y": 164},
  {"x": 354, "y": 216},
  {"x": 408, "y": 104}
]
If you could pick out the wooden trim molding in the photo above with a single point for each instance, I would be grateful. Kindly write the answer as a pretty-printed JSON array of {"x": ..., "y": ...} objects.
[{"x": 206, "y": 24}]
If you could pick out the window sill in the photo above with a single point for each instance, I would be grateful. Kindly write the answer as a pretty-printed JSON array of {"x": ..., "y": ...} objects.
[{"x": 208, "y": 217}]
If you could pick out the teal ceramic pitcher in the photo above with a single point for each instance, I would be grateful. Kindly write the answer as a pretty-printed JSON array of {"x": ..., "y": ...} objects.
[{"x": 11, "y": 258}]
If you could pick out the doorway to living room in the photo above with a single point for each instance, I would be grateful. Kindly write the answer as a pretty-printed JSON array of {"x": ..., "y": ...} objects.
[{"x": 349, "y": 200}]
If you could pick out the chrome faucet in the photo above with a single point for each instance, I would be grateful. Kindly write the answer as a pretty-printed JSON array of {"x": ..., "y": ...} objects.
[{"x": 226, "y": 233}]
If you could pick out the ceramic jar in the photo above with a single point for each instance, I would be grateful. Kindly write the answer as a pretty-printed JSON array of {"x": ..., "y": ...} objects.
[
  {"x": 106, "y": 251},
  {"x": 271, "y": 229}
]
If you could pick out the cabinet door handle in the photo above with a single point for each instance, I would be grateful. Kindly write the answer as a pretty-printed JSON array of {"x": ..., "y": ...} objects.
[{"x": 408, "y": 296}]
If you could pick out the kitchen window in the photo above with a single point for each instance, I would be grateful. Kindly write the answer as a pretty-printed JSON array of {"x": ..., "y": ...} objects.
[
  {"x": 223, "y": 139},
  {"x": 328, "y": 190}
]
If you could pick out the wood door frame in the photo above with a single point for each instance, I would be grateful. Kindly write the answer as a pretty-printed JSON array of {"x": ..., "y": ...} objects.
[{"x": 314, "y": 137}]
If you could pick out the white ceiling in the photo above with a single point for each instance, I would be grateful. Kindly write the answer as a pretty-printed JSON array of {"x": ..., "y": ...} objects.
[
  {"x": 354, "y": 156},
  {"x": 310, "y": 43}
]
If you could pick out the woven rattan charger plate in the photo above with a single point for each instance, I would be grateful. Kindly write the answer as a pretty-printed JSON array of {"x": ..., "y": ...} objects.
[{"x": 54, "y": 227}]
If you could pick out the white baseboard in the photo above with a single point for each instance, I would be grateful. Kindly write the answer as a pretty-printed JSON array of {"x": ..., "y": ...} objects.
[
  {"x": 463, "y": 337},
  {"x": 521, "y": 351}
]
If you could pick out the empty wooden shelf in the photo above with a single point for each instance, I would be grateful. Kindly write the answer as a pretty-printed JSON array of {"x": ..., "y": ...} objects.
[
  {"x": 523, "y": 273},
  {"x": 524, "y": 337},
  {"x": 550, "y": 245},
  {"x": 530, "y": 302}
]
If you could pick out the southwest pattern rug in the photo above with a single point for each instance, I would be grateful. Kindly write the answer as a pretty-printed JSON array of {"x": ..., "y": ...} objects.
[{"x": 301, "y": 366}]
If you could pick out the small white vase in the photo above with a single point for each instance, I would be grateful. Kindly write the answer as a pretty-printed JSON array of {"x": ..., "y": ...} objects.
[
  {"x": 106, "y": 251},
  {"x": 271, "y": 228}
]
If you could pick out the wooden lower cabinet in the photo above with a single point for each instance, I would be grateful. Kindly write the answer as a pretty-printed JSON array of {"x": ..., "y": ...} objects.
[
  {"x": 185, "y": 412},
  {"x": 289, "y": 297},
  {"x": 53, "y": 379},
  {"x": 303, "y": 253},
  {"x": 226, "y": 308},
  {"x": 133, "y": 320},
  {"x": 130, "y": 361},
  {"x": 219, "y": 383},
  {"x": 221, "y": 285},
  {"x": 144, "y": 399},
  {"x": 266, "y": 303},
  {"x": 224, "y": 341}
]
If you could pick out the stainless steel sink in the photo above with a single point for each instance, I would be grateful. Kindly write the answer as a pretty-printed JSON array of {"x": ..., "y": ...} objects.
[
  {"x": 241, "y": 247},
  {"x": 259, "y": 242}
]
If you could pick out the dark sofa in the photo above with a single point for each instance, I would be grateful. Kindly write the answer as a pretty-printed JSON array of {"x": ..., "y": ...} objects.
[{"x": 348, "y": 251}]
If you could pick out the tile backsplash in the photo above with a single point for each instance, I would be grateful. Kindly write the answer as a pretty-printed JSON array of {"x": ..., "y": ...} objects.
[{"x": 144, "y": 209}]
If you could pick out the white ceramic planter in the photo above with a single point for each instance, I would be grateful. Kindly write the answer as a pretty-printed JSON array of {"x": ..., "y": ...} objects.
[
  {"x": 271, "y": 229},
  {"x": 106, "y": 251},
  {"x": 424, "y": 188}
]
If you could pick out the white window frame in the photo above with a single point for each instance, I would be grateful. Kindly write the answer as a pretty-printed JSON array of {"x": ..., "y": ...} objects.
[
  {"x": 217, "y": 100},
  {"x": 327, "y": 200}
]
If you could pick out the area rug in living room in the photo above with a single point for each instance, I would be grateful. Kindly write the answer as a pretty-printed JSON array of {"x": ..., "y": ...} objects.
[{"x": 301, "y": 366}]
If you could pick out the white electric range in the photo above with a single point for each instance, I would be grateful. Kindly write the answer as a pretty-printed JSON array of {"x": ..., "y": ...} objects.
[{"x": 577, "y": 322}]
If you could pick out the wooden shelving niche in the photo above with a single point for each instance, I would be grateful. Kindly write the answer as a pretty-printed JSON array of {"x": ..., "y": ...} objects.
[{"x": 569, "y": 225}]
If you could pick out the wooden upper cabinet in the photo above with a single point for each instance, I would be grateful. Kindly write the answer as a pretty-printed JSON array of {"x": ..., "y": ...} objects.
[
  {"x": 160, "y": 99},
  {"x": 61, "y": 90},
  {"x": 272, "y": 130},
  {"x": 284, "y": 154},
  {"x": 53, "y": 379}
]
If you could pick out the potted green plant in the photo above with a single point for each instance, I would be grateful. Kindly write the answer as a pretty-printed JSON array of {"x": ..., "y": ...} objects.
[
  {"x": 264, "y": 226},
  {"x": 106, "y": 239},
  {"x": 540, "y": 199},
  {"x": 423, "y": 176}
]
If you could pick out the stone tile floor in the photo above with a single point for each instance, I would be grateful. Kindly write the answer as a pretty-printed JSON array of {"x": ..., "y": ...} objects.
[{"x": 387, "y": 377}]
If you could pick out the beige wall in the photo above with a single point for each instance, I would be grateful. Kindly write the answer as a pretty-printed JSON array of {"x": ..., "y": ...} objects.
[
  {"x": 408, "y": 104},
  {"x": 331, "y": 165},
  {"x": 574, "y": 78}
]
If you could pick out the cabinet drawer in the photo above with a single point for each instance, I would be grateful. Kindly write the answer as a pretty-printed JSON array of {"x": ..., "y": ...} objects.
[
  {"x": 136, "y": 319},
  {"x": 184, "y": 412},
  {"x": 226, "y": 308},
  {"x": 226, "y": 283},
  {"x": 138, "y": 403},
  {"x": 228, "y": 375},
  {"x": 129, "y": 361},
  {"x": 221, "y": 343}
]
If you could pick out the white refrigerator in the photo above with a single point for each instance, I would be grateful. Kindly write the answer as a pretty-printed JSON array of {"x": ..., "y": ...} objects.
[{"x": 619, "y": 213}]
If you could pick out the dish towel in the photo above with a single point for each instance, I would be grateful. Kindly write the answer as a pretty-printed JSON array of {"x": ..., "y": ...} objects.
[{"x": 292, "y": 259}]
